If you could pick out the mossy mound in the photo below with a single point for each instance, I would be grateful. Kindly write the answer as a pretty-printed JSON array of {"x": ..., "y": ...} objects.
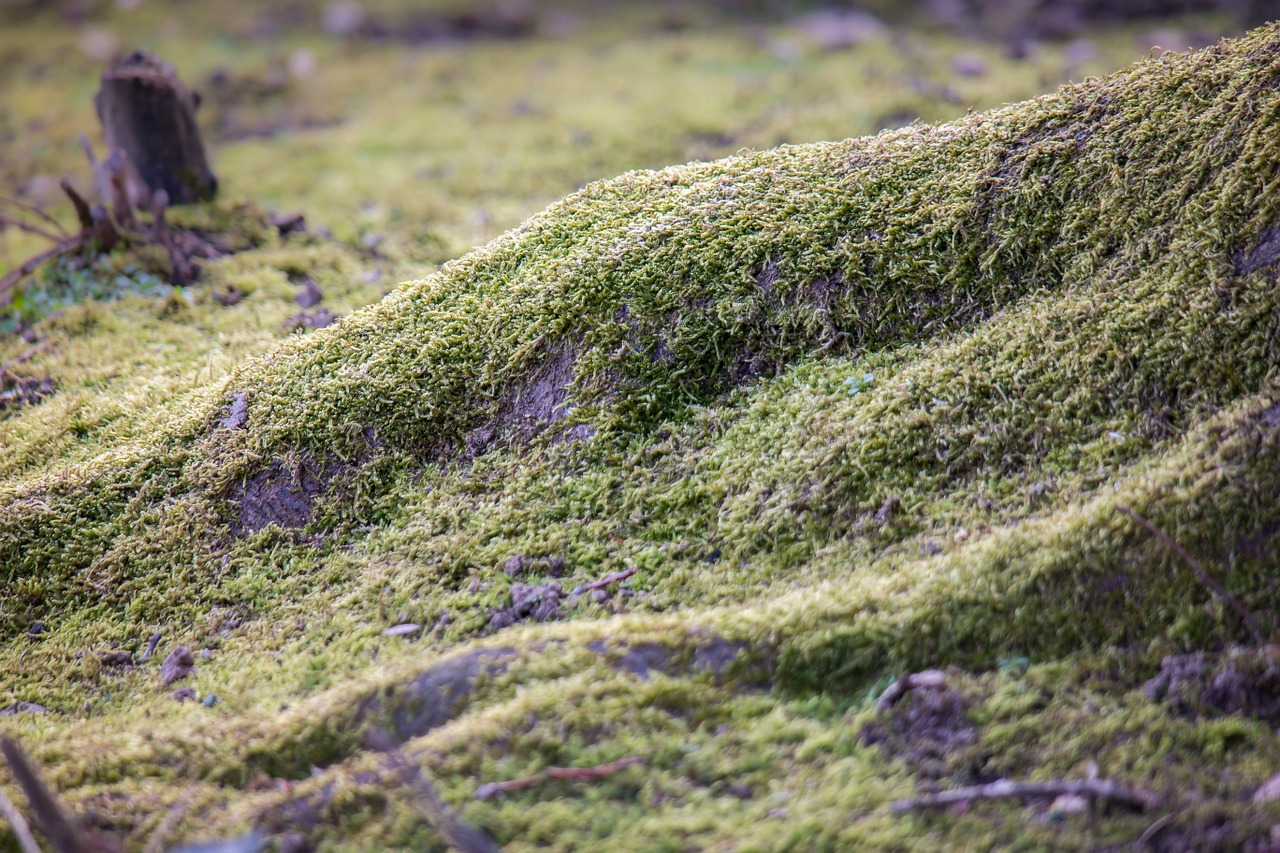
[{"x": 837, "y": 411}]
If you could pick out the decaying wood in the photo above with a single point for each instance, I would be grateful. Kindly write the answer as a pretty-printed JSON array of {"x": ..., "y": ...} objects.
[
  {"x": 1091, "y": 789},
  {"x": 1201, "y": 573},
  {"x": 149, "y": 115}
]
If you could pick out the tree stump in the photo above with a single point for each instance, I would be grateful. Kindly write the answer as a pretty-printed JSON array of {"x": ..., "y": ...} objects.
[{"x": 148, "y": 113}]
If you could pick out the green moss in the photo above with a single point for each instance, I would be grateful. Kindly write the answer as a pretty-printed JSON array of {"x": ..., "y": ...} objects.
[{"x": 847, "y": 409}]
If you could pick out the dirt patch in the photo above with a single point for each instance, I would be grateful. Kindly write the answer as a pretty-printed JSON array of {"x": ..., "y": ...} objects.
[
  {"x": 19, "y": 391},
  {"x": 1198, "y": 684},
  {"x": 279, "y": 495},
  {"x": 530, "y": 407},
  {"x": 929, "y": 728},
  {"x": 529, "y": 602},
  {"x": 1263, "y": 254}
]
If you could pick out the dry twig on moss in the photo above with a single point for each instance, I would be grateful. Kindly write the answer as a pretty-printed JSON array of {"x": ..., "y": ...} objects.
[
  {"x": 1202, "y": 574},
  {"x": 575, "y": 774},
  {"x": 611, "y": 578},
  {"x": 1092, "y": 789}
]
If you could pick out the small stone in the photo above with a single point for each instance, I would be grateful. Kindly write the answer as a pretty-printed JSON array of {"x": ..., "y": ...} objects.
[
  {"x": 310, "y": 295},
  {"x": 1269, "y": 792},
  {"x": 37, "y": 628},
  {"x": 600, "y": 596},
  {"x": 182, "y": 694},
  {"x": 515, "y": 566},
  {"x": 239, "y": 411},
  {"x": 23, "y": 708},
  {"x": 501, "y": 619},
  {"x": 116, "y": 658},
  {"x": 404, "y": 629},
  {"x": 176, "y": 666},
  {"x": 210, "y": 700}
]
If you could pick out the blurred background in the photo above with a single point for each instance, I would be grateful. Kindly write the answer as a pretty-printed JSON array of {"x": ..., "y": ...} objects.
[{"x": 408, "y": 132}]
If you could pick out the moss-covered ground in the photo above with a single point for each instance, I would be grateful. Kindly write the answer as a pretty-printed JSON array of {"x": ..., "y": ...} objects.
[{"x": 833, "y": 412}]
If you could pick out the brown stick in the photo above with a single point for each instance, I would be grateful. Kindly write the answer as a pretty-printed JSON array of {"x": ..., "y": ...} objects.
[
  {"x": 33, "y": 263},
  {"x": 613, "y": 577},
  {"x": 1201, "y": 574},
  {"x": 23, "y": 225},
  {"x": 53, "y": 821},
  {"x": 31, "y": 208},
  {"x": 458, "y": 833},
  {"x": 82, "y": 207},
  {"x": 575, "y": 774},
  {"x": 1094, "y": 789}
]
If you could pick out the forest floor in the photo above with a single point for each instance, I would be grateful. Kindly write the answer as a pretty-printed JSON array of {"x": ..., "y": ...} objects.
[{"x": 530, "y": 491}]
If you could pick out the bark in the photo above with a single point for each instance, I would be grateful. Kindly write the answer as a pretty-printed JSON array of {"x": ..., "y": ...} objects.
[{"x": 149, "y": 114}]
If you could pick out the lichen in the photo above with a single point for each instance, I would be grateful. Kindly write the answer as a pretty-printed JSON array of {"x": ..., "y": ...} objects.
[{"x": 847, "y": 409}]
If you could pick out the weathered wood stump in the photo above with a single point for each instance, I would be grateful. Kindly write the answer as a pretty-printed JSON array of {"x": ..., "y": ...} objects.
[{"x": 149, "y": 114}]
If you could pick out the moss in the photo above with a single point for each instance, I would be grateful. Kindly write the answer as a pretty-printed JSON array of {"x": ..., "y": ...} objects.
[{"x": 847, "y": 409}]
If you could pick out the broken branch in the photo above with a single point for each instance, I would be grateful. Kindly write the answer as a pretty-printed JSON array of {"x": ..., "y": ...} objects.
[
  {"x": 1004, "y": 789},
  {"x": 83, "y": 212},
  {"x": 1201, "y": 573},
  {"x": 575, "y": 774},
  {"x": 31, "y": 208},
  {"x": 33, "y": 263},
  {"x": 23, "y": 225}
]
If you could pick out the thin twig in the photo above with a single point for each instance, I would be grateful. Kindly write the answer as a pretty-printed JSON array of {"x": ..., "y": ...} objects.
[
  {"x": 1094, "y": 789},
  {"x": 611, "y": 578},
  {"x": 456, "y": 832},
  {"x": 1148, "y": 835},
  {"x": 33, "y": 263},
  {"x": 575, "y": 774},
  {"x": 23, "y": 225},
  {"x": 915, "y": 681},
  {"x": 83, "y": 212},
  {"x": 31, "y": 208},
  {"x": 26, "y": 840},
  {"x": 1201, "y": 574},
  {"x": 50, "y": 816}
]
